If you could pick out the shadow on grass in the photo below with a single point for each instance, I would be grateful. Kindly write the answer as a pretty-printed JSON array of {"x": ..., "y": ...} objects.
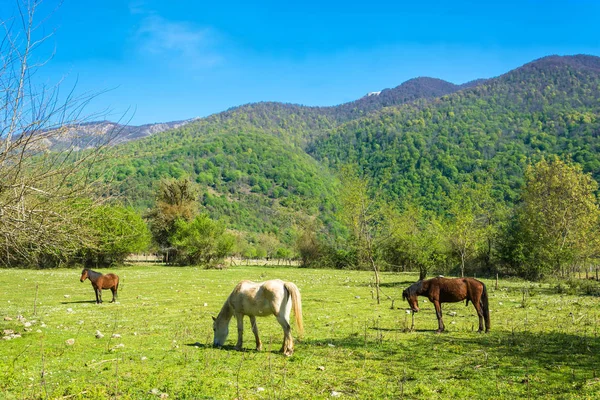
[
  {"x": 228, "y": 347},
  {"x": 538, "y": 349},
  {"x": 401, "y": 284},
  {"x": 77, "y": 301}
]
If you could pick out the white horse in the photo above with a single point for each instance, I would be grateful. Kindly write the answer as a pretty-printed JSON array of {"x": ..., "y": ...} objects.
[{"x": 274, "y": 297}]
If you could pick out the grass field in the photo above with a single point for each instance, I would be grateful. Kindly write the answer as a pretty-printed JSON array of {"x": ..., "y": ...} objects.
[{"x": 157, "y": 340}]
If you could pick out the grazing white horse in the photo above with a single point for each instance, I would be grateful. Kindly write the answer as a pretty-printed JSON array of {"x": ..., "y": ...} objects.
[{"x": 274, "y": 297}]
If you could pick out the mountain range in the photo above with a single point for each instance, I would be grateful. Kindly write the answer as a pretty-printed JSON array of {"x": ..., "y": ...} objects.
[{"x": 263, "y": 167}]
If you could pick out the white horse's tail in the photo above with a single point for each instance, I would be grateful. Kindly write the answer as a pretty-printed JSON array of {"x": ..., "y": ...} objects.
[{"x": 296, "y": 304}]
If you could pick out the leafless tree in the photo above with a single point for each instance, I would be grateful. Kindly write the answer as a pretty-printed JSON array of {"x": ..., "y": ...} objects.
[{"x": 45, "y": 190}]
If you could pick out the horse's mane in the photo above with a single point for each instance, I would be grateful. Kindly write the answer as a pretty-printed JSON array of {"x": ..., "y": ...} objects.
[
  {"x": 414, "y": 289},
  {"x": 92, "y": 273}
]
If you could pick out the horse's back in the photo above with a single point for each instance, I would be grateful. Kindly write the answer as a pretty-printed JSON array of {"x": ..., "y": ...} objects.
[
  {"x": 450, "y": 290},
  {"x": 257, "y": 298},
  {"x": 109, "y": 281}
]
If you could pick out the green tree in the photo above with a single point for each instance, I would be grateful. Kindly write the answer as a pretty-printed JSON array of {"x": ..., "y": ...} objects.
[
  {"x": 360, "y": 213},
  {"x": 201, "y": 241},
  {"x": 117, "y": 231},
  {"x": 558, "y": 217},
  {"x": 414, "y": 239},
  {"x": 469, "y": 226},
  {"x": 176, "y": 199}
]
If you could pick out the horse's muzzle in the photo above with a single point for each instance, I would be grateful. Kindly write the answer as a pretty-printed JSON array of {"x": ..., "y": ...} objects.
[{"x": 416, "y": 309}]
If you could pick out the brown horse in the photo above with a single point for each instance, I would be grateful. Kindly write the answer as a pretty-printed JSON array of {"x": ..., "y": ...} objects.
[
  {"x": 443, "y": 290},
  {"x": 99, "y": 282}
]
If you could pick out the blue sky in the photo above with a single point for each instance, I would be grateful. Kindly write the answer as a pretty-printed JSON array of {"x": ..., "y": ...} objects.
[{"x": 163, "y": 61}]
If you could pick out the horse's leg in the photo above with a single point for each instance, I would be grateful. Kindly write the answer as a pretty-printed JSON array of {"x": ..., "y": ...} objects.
[
  {"x": 477, "y": 304},
  {"x": 99, "y": 290},
  {"x": 255, "y": 331},
  {"x": 240, "y": 326},
  {"x": 438, "y": 313},
  {"x": 96, "y": 293},
  {"x": 288, "y": 341},
  {"x": 114, "y": 293}
]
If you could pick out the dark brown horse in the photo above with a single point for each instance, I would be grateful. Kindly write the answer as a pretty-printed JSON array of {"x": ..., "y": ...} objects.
[
  {"x": 443, "y": 290},
  {"x": 99, "y": 282}
]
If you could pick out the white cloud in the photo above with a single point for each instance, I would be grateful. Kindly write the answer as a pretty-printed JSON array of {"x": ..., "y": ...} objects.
[
  {"x": 177, "y": 41},
  {"x": 137, "y": 7}
]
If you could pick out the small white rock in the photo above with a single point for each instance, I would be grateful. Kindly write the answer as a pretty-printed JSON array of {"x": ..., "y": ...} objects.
[
  {"x": 69, "y": 310},
  {"x": 335, "y": 394},
  {"x": 70, "y": 342},
  {"x": 99, "y": 335},
  {"x": 260, "y": 389},
  {"x": 205, "y": 304},
  {"x": 67, "y": 296},
  {"x": 115, "y": 336},
  {"x": 330, "y": 344}
]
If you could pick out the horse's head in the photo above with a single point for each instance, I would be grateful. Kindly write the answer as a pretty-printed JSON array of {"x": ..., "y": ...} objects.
[
  {"x": 84, "y": 275},
  {"x": 411, "y": 296},
  {"x": 221, "y": 330}
]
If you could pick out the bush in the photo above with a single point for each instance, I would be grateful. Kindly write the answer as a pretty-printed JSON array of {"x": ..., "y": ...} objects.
[
  {"x": 117, "y": 232},
  {"x": 578, "y": 287},
  {"x": 201, "y": 241}
]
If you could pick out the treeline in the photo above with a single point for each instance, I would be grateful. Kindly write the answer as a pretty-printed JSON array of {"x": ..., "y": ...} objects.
[{"x": 553, "y": 229}]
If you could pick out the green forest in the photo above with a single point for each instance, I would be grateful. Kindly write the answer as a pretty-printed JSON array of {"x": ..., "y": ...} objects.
[{"x": 427, "y": 176}]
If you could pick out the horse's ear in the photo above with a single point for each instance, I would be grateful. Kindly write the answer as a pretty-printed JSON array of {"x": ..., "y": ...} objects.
[{"x": 214, "y": 319}]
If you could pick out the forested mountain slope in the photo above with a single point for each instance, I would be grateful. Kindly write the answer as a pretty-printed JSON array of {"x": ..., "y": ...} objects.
[
  {"x": 488, "y": 132},
  {"x": 263, "y": 167},
  {"x": 250, "y": 160}
]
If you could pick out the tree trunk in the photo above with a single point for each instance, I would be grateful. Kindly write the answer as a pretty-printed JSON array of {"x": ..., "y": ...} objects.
[
  {"x": 422, "y": 273},
  {"x": 376, "y": 270}
]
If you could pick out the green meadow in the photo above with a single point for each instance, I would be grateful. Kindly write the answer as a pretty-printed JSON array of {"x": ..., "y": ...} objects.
[{"x": 156, "y": 341}]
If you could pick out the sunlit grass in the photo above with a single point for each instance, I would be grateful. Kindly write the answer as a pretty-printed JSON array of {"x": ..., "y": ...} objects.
[{"x": 542, "y": 344}]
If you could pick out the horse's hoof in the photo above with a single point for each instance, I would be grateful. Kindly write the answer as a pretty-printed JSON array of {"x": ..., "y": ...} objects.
[
  {"x": 288, "y": 353},
  {"x": 259, "y": 348},
  {"x": 439, "y": 331}
]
